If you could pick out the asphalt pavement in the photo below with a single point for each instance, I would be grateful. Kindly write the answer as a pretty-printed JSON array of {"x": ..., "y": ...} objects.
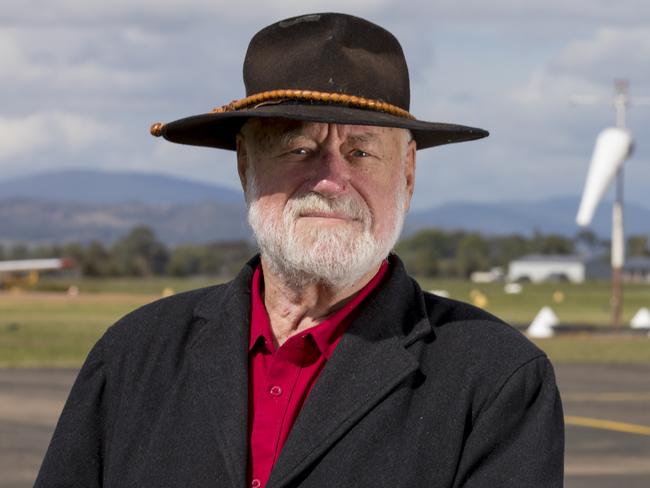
[{"x": 607, "y": 416}]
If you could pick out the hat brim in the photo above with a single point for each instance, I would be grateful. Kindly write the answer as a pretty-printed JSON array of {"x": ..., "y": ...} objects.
[{"x": 219, "y": 129}]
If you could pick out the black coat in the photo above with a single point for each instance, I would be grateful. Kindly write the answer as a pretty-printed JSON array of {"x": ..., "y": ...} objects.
[{"x": 421, "y": 391}]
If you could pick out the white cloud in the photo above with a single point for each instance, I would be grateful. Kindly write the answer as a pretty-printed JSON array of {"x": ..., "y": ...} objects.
[
  {"x": 15, "y": 60},
  {"x": 170, "y": 12},
  {"x": 36, "y": 133},
  {"x": 584, "y": 72},
  {"x": 584, "y": 65},
  {"x": 533, "y": 15},
  {"x": 71, "y": 60},
  {"x": 611, "y": 50},
  {"x": 545, "y": 89},
  {"x": 76, "y": 70}
]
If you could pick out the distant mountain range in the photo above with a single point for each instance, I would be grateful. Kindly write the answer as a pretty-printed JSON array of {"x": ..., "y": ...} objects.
[
  {"x": 36, "y": 221},
  {"x": 85, "y": 186},
  {"x": 555, "y": 215},
  {"x": 79, "y": 206}
]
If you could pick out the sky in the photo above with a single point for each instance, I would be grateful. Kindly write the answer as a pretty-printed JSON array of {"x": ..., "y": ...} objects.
[{"x": 81, "y": 81}]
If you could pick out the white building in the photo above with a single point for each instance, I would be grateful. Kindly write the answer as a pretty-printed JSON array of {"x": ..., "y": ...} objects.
[{"x": 537, "y": 268}]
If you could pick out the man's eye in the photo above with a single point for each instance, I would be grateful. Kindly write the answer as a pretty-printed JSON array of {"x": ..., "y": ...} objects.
[
  {"x": 358, "y": 153},
  {"x": 300, "y": 151}
]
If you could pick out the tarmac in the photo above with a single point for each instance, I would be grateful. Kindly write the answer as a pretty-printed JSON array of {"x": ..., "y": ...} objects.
[{"x": 607, "y": 416}]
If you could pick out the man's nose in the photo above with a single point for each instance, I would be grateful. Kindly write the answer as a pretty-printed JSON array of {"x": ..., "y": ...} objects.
[{"x": 332, "y": 174}]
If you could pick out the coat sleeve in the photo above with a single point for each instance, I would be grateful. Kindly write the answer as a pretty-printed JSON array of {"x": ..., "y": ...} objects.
[
  {"x": 75, "y": 454},
  {"x": 518, "y": 437}
]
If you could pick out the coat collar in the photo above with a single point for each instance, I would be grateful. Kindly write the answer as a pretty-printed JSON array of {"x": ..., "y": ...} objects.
[
  {"x": 219, "y": 363},
  {"x": 371, "y": 360}
]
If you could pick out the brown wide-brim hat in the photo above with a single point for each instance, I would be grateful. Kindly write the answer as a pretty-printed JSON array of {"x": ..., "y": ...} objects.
[{"x": 329, "y": 67}]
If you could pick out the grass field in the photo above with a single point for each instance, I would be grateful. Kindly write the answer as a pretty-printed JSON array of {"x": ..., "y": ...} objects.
[
  {"x": 148, "y": 286},
  {"x": 49, "y": 328},
  {"x": 52, "y": 329},
  {"x": 596, "y": 349},
  {"x": 573, "y": 303}
]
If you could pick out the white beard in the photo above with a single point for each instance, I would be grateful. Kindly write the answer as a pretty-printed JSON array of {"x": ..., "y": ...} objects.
[{"x": 302, "y": 252}]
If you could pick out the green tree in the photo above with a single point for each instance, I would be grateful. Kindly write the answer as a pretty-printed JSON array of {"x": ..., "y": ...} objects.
[
  {"x": 226, "y": 258},
  {"x": 422, "y": 252},
  {"x": 551, "y": 244},
  {"x": 588, "y": 241},
  {"x": 503, "y": 249},
  {"x": 185, "y": 260},
  {"x": 97, "y": 261},
  {"x": 19, "y": 251},
  {"x": 139, "y": 253},
  {"x": 430, "y": 252},
  {"x": 471, "y": 255},
  {"x": 637, "y": 246},
  {"x": 213, "y": 259},
  {"x": 74, "y": 251}
]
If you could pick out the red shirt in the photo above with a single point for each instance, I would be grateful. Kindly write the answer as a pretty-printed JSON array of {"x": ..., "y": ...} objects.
[{"x": 280, "y": 380}]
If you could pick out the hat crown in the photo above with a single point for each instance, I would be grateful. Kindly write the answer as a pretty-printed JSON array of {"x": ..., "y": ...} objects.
[
  {"x": 329, "y": 68},
  {"x": 329, "y": 52}
]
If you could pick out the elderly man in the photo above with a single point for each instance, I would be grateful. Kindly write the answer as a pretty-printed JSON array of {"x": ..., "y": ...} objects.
[{"x": 322, "y": 363}]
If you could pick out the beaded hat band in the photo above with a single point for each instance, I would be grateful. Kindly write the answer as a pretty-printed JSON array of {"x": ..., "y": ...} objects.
[
  {"x": 313, "y": 96},
  {"x": 279, "y": 96}
]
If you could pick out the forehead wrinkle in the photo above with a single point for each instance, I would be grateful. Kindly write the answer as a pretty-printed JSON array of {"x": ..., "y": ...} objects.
[
  {"x": 363, "y": 137},
  {"x": 289, "y": 136},
  {"x": 273, "y": 133}
]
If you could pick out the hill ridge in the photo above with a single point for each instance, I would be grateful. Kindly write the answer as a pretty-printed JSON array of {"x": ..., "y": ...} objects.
[{"x": 92, "y": 186}]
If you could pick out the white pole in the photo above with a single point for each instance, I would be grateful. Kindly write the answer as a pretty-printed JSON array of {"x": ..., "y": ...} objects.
[
  {"x": 618, "y": 233},
  {"x": 621, "y": 101}
]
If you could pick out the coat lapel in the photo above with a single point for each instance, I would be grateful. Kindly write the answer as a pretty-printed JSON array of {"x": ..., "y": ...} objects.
[
  {"x": 368, "y": 364},
  {"x": 220, "y": 370}
]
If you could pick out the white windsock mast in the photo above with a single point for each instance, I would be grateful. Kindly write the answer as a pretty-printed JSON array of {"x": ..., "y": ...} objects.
[{"x": 613, "y": 147}]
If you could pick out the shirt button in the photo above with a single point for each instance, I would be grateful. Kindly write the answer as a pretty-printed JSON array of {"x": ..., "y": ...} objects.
[
  {"x": 256, "y": 483},
  {"x": 275, "y": 391}
]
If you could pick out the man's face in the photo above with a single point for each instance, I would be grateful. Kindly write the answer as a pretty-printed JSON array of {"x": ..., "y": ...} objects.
[{"x": 326, "y": 201}]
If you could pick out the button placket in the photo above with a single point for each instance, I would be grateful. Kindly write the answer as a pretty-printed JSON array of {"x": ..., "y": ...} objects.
[{"x": 283, "y": 370}]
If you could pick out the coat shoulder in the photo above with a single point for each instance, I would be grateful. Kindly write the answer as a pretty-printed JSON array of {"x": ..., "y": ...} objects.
[
  {"x": 475, "y": 327},
  {"x": 169, "y": 320},
  {"x": 472, "y": 340}
]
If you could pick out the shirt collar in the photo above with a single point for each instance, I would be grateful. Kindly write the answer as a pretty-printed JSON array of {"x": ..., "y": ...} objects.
[{"x": 326, "y": 334}]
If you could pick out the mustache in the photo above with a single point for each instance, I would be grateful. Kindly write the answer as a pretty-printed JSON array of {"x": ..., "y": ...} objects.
[{"x": 315, "y": 202}]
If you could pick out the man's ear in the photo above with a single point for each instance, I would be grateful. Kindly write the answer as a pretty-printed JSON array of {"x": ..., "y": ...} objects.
[
  {"x": 242, "y": 159},
  {"x": 409, "y": 171}
]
